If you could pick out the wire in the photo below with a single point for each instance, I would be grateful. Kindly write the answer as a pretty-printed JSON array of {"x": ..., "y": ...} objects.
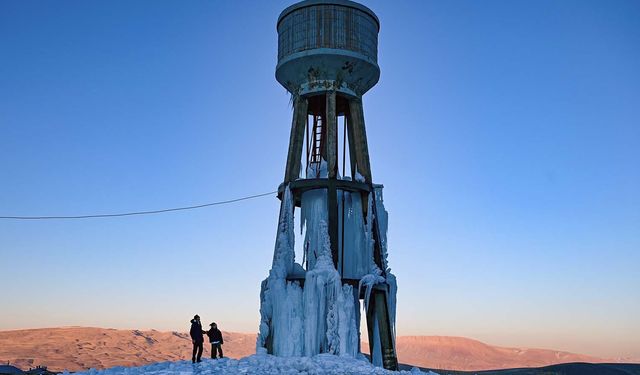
[{"x": 138, "y": 212}]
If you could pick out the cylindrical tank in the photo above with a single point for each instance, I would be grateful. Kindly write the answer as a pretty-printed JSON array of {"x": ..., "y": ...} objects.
[{"x": 328, "y": 45}]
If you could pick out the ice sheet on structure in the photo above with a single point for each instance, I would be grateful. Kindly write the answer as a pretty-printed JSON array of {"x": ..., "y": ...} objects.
[
  {"x": 330, "y": 325},
  {"x": 279, "y": 299},
  {"x": 383, "y": 223},
  {"x": 356, "y": 252},
  {"x": 368, "y": 281},
  {"x": 320, "y": 318},
  {"x": 349, "y": 318},
  {"x": 376, "y": 275},
  {"x": 317, "y": 170},
  {"x": 323, "y": 317},
  {"x": 257, "y": 364},
  {"x": 313, "y": 210},
  {"x": 287, "y": 319},
  {"x": 383, "y": 220},
  {"x": 284, "y": 253}
]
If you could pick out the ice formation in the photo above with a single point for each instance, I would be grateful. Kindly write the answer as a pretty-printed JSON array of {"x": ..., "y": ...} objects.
[
  {"x": 317, "y": 170},
  {"x": 383, "y": 222},
  {"x": 317, "y": 319},
  {"x": 306, "y": 311},
  {"x": 357, "y": 237},
  {"x": 258, "y": 364},
  {"x": 280, "y": 300},
  {"x": 312, "y": 212}
]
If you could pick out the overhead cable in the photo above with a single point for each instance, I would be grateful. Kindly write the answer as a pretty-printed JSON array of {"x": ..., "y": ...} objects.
[{"x": 151, "y": 212}]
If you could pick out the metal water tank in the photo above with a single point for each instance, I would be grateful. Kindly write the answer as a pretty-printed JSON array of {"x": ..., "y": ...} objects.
[{"x": 328, "y": 45}]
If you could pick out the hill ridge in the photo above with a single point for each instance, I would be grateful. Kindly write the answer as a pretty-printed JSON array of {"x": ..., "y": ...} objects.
[{"x": 76, "y": 348}]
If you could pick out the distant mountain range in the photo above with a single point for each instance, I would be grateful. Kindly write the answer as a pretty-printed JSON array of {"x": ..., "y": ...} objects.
[
  {"x": 78, "y": 348},
  {"x": 461, "y": 353}
]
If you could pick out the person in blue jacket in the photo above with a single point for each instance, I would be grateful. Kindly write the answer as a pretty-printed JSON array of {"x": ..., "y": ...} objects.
[{"x": 197, "y": 338}]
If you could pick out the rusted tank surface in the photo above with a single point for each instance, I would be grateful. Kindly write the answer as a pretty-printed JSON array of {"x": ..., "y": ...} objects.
[{"x": 328, "y": 45}]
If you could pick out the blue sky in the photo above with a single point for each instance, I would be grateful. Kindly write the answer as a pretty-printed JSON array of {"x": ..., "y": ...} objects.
[{"x": 506, "y": 133}]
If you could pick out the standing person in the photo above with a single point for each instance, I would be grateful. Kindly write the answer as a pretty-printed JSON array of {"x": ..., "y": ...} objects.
[
  {"x": 215, "y": 338},
  {"x": 196, "y": 338}
]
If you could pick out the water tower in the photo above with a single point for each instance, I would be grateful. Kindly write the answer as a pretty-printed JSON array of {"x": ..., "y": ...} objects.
[{"x": 327, "y": 60}]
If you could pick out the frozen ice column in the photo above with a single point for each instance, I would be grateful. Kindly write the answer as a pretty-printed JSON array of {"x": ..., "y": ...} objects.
[{"x": 327, "y": 60}]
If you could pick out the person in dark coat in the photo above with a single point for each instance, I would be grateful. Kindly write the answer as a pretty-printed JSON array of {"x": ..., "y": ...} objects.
[
  {"x": 215, "y": 338},
  {"x": 196, "y": 338}
]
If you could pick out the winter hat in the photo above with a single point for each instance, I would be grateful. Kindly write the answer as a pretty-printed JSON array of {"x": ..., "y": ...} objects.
[{"x": 196, "y": 316}]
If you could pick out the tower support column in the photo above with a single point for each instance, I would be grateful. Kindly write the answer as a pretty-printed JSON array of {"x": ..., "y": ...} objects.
[
  {"x": 296, "y": 139},
  {"x": 332, "y": 168}
]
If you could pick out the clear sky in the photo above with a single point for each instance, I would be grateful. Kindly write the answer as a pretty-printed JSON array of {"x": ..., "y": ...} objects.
[{"x": 506, "y": 133}]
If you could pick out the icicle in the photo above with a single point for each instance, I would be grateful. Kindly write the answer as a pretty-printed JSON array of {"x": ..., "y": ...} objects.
[
  {"x": 357, "y": 260},
  {"x": 319, "y": 297},
  {"x": 347, "y": 328},
  {"x": 313, "y": 211},
  {"x": 317, "y": 170},
  {"x": 382, "y": 219},
  {"x": 369, "y": 281},
  {"x": 284, "y": 254},
  {"x": 333, "y": 336},
  {"x": 266, "y": 312},
  {"x": 279, "y": 300},
  {"x": 375, "y": 274},
  {"x": 287, "y": 319}
]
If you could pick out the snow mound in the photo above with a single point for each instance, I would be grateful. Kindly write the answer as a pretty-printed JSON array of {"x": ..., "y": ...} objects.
[{"x": 259, "y": 364}]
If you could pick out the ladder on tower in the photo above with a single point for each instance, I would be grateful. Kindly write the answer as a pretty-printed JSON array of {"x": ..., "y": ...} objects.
[{"x": 316, "y": 145}]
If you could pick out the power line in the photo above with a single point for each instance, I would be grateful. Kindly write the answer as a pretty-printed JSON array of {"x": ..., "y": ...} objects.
[{"x": 138, "y": 212}]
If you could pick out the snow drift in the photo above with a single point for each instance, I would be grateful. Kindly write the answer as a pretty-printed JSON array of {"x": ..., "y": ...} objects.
[{"x": 259, "y": 364}]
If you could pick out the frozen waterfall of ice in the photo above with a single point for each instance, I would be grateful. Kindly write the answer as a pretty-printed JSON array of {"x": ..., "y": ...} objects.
[
  {"x": 323, "y": 316},
  {"x": 280, "y": 300},
  {"x": 317, "y": 319},
  {"x": 355, "y": 262},
  {"x": 329, "y": 310},
  {"x": 312, "y": 212}
]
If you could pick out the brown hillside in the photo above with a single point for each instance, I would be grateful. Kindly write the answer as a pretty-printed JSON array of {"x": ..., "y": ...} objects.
[
  {"x": 77, "y": 348},
  {"x": 459, "y": 353}
]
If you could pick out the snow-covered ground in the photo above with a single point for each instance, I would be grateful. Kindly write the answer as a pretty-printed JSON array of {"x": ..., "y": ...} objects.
[{"x": 258, "y": 364}]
